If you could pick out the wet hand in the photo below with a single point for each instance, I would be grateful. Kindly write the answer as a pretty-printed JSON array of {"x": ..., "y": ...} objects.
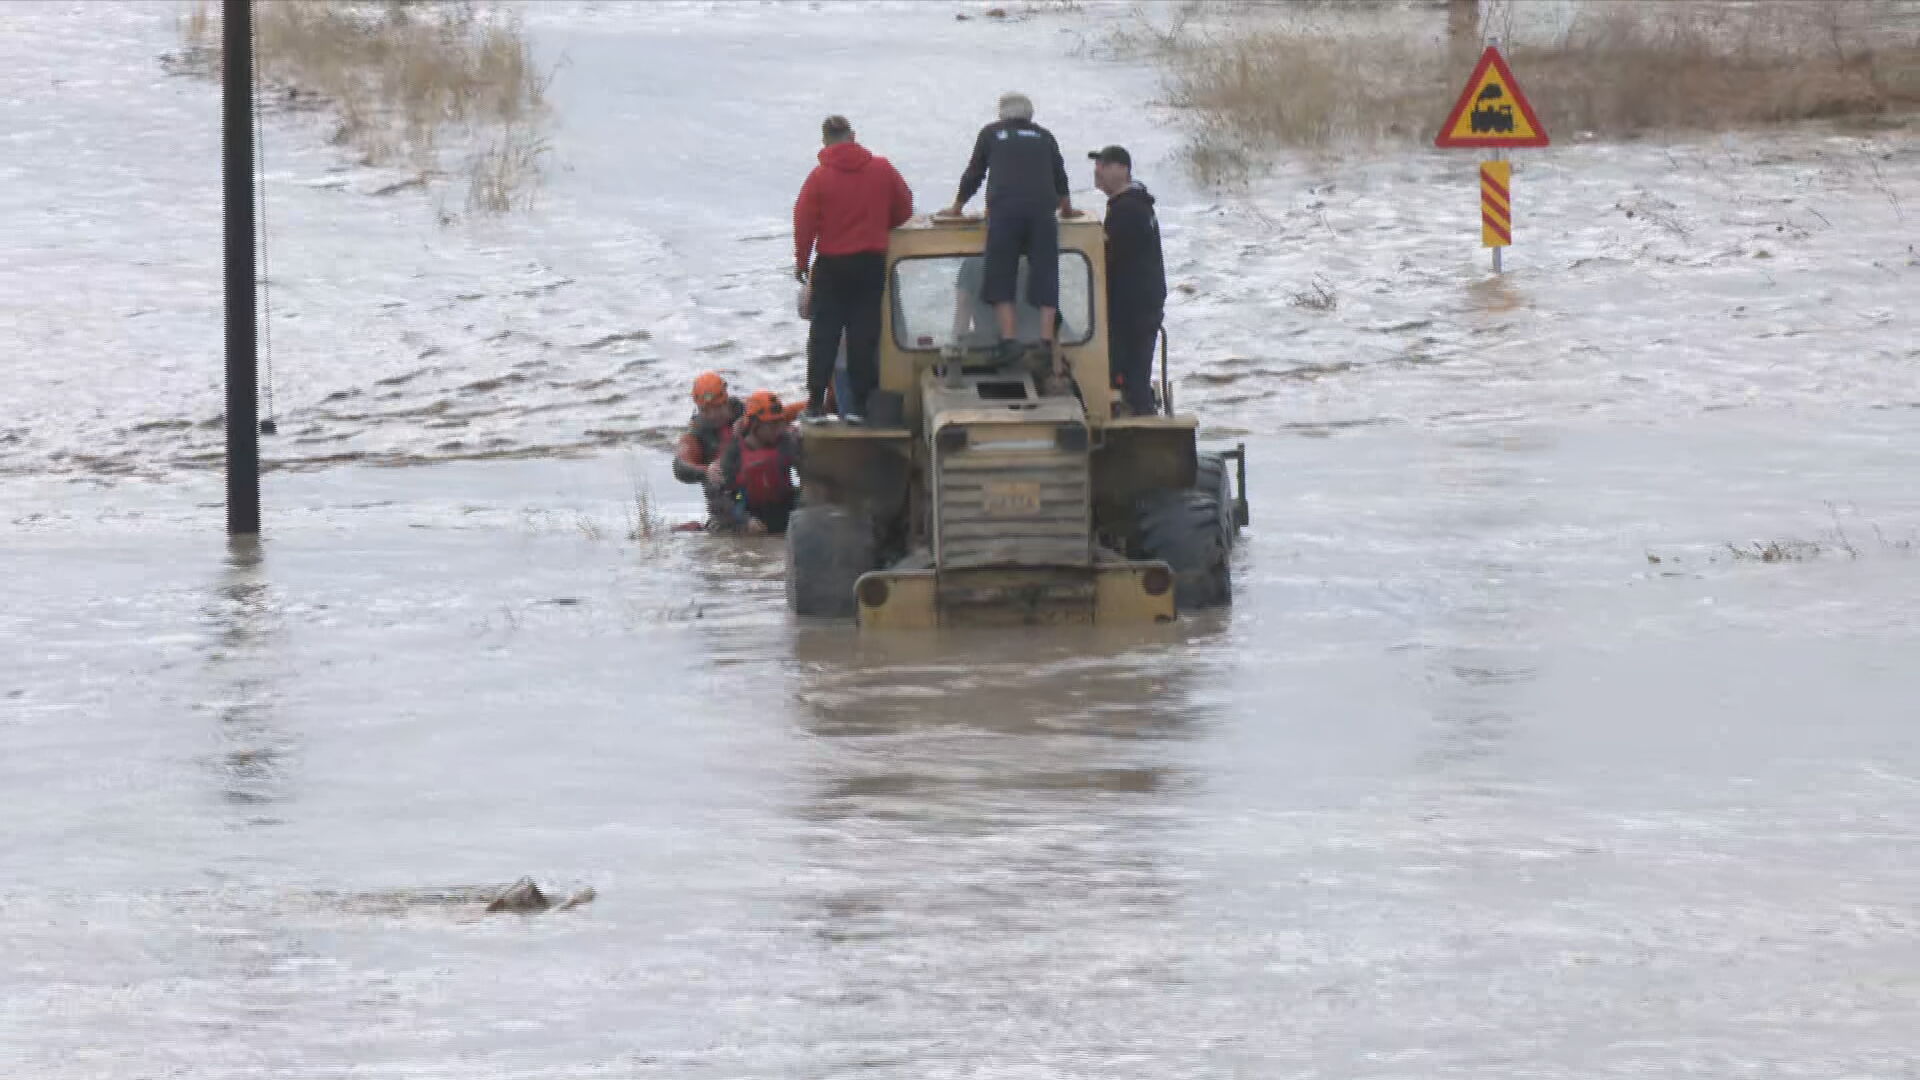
[{"x": 714, "y": 476}]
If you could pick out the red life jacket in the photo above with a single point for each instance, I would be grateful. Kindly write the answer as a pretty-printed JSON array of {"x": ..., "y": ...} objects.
[{"x": 765, "y": 477}]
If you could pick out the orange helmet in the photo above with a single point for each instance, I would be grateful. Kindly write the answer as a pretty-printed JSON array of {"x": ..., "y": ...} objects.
[
  {"x": 709, "y": 389},
  {"x": 764, "y": 407}
]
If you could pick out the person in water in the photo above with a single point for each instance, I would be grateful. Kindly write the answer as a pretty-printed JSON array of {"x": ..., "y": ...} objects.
[
  {"x": 716, "y": 413},
  {"x": 754, "y": 473}
]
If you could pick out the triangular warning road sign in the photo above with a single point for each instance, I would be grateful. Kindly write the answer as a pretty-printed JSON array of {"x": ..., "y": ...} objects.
[{"x": 1492, "y": 112}]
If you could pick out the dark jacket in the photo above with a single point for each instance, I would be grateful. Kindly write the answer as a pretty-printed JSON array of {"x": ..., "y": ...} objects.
[
  {"x": 1136, "y": 272},
  {"x": 848, "y": 203},
  {"x": 1020, "y": 163},
  {"x": 702, "y": 443}
]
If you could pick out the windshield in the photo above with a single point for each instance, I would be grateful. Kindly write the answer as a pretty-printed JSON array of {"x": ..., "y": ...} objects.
[{"x": 936, "y": 303}]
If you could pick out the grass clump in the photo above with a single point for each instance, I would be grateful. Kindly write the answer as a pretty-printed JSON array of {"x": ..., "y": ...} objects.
[
  {"x": 645, "y": 522},
  {"x": 1774, "y": 551},
  {"x": 1836, "y": 542},
  {"x": 1318, "y": 296},
  {"x": 406, "y": 81},
  {"x": 1632, "y": 68}
]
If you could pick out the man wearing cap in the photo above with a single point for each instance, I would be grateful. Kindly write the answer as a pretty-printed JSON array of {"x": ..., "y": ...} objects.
[
  {"x": 1026, "y": 182},
  {"x": 1136, "y": 278},
  {"x": 849, "y": 203}
]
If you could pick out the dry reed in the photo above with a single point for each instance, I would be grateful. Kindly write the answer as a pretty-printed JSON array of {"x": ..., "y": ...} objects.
[
  {"x": 403, "y": 79},
  {"x": 1259, "y": 78}
]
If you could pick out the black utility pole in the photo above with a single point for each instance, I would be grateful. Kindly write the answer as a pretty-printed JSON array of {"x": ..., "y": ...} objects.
[{"x": 243, "y": 406}]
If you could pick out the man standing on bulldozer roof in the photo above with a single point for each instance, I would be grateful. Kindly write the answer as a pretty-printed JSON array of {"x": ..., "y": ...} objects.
[
  {"x": 846, "y": 207},
  {"x": 1026, "y": 182},
  {"x": 1136, "y": 278}
]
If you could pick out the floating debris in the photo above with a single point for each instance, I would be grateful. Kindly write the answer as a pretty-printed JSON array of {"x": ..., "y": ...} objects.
[{"x": 524, "y": 896}]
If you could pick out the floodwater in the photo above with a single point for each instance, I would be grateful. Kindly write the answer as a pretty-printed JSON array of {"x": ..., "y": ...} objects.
[{"x": 1503, "y": 763}]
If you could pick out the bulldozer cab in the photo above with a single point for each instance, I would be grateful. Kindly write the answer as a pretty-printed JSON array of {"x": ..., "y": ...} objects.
[
  {"x": 935, "y": 273},
  {"x": 983, "y": 490}
]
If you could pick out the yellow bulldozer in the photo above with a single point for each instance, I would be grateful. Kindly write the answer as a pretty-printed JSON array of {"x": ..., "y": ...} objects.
[{"x": 984, "y": 492}]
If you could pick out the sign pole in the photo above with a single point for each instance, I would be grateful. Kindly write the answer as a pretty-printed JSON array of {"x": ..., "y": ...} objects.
[
  {"x": 243, "y": 403},
  {"x": 1496, "y": 206},
  {"x": 1493, "y": 113},
  {"x": 1497, "y": 250},
  {"x": 1493, "y": 42}
]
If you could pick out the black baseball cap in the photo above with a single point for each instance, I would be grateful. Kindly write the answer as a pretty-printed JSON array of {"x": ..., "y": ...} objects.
[{"x": 1116, "y": 155}]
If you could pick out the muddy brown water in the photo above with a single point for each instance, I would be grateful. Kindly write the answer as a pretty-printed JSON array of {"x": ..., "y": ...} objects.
[
  {"x": 1503, "y": 762},
  {"x": 1463, "y": 781}
]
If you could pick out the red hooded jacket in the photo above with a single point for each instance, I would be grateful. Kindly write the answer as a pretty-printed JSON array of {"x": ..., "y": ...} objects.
[{"x": 848, "y": 203}]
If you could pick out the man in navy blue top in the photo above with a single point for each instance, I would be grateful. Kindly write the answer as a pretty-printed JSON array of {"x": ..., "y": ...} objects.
[
  {"x": 1136, "y": 277},
  {"x": 1026, "y": 182}
]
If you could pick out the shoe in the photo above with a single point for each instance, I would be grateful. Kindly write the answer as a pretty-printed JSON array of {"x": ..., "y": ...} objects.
[
  {"x": 853, "y": 419},
  {"x": 1006, "y": 352}
]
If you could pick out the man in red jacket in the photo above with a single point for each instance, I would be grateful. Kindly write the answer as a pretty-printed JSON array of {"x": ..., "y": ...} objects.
[{"x": 846, "y": 207}]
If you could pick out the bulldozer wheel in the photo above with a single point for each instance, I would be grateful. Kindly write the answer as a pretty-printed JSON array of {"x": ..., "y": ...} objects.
[
  {"x": 828, "y": 548},
  {"x": 1186, "y": 529},
  {"x": 1212, "y": 478}
]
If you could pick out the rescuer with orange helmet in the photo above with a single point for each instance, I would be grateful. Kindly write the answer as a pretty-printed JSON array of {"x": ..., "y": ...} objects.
[
  {"x": 755, "y": 468},
  {"x": 708, "y": 432}
]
